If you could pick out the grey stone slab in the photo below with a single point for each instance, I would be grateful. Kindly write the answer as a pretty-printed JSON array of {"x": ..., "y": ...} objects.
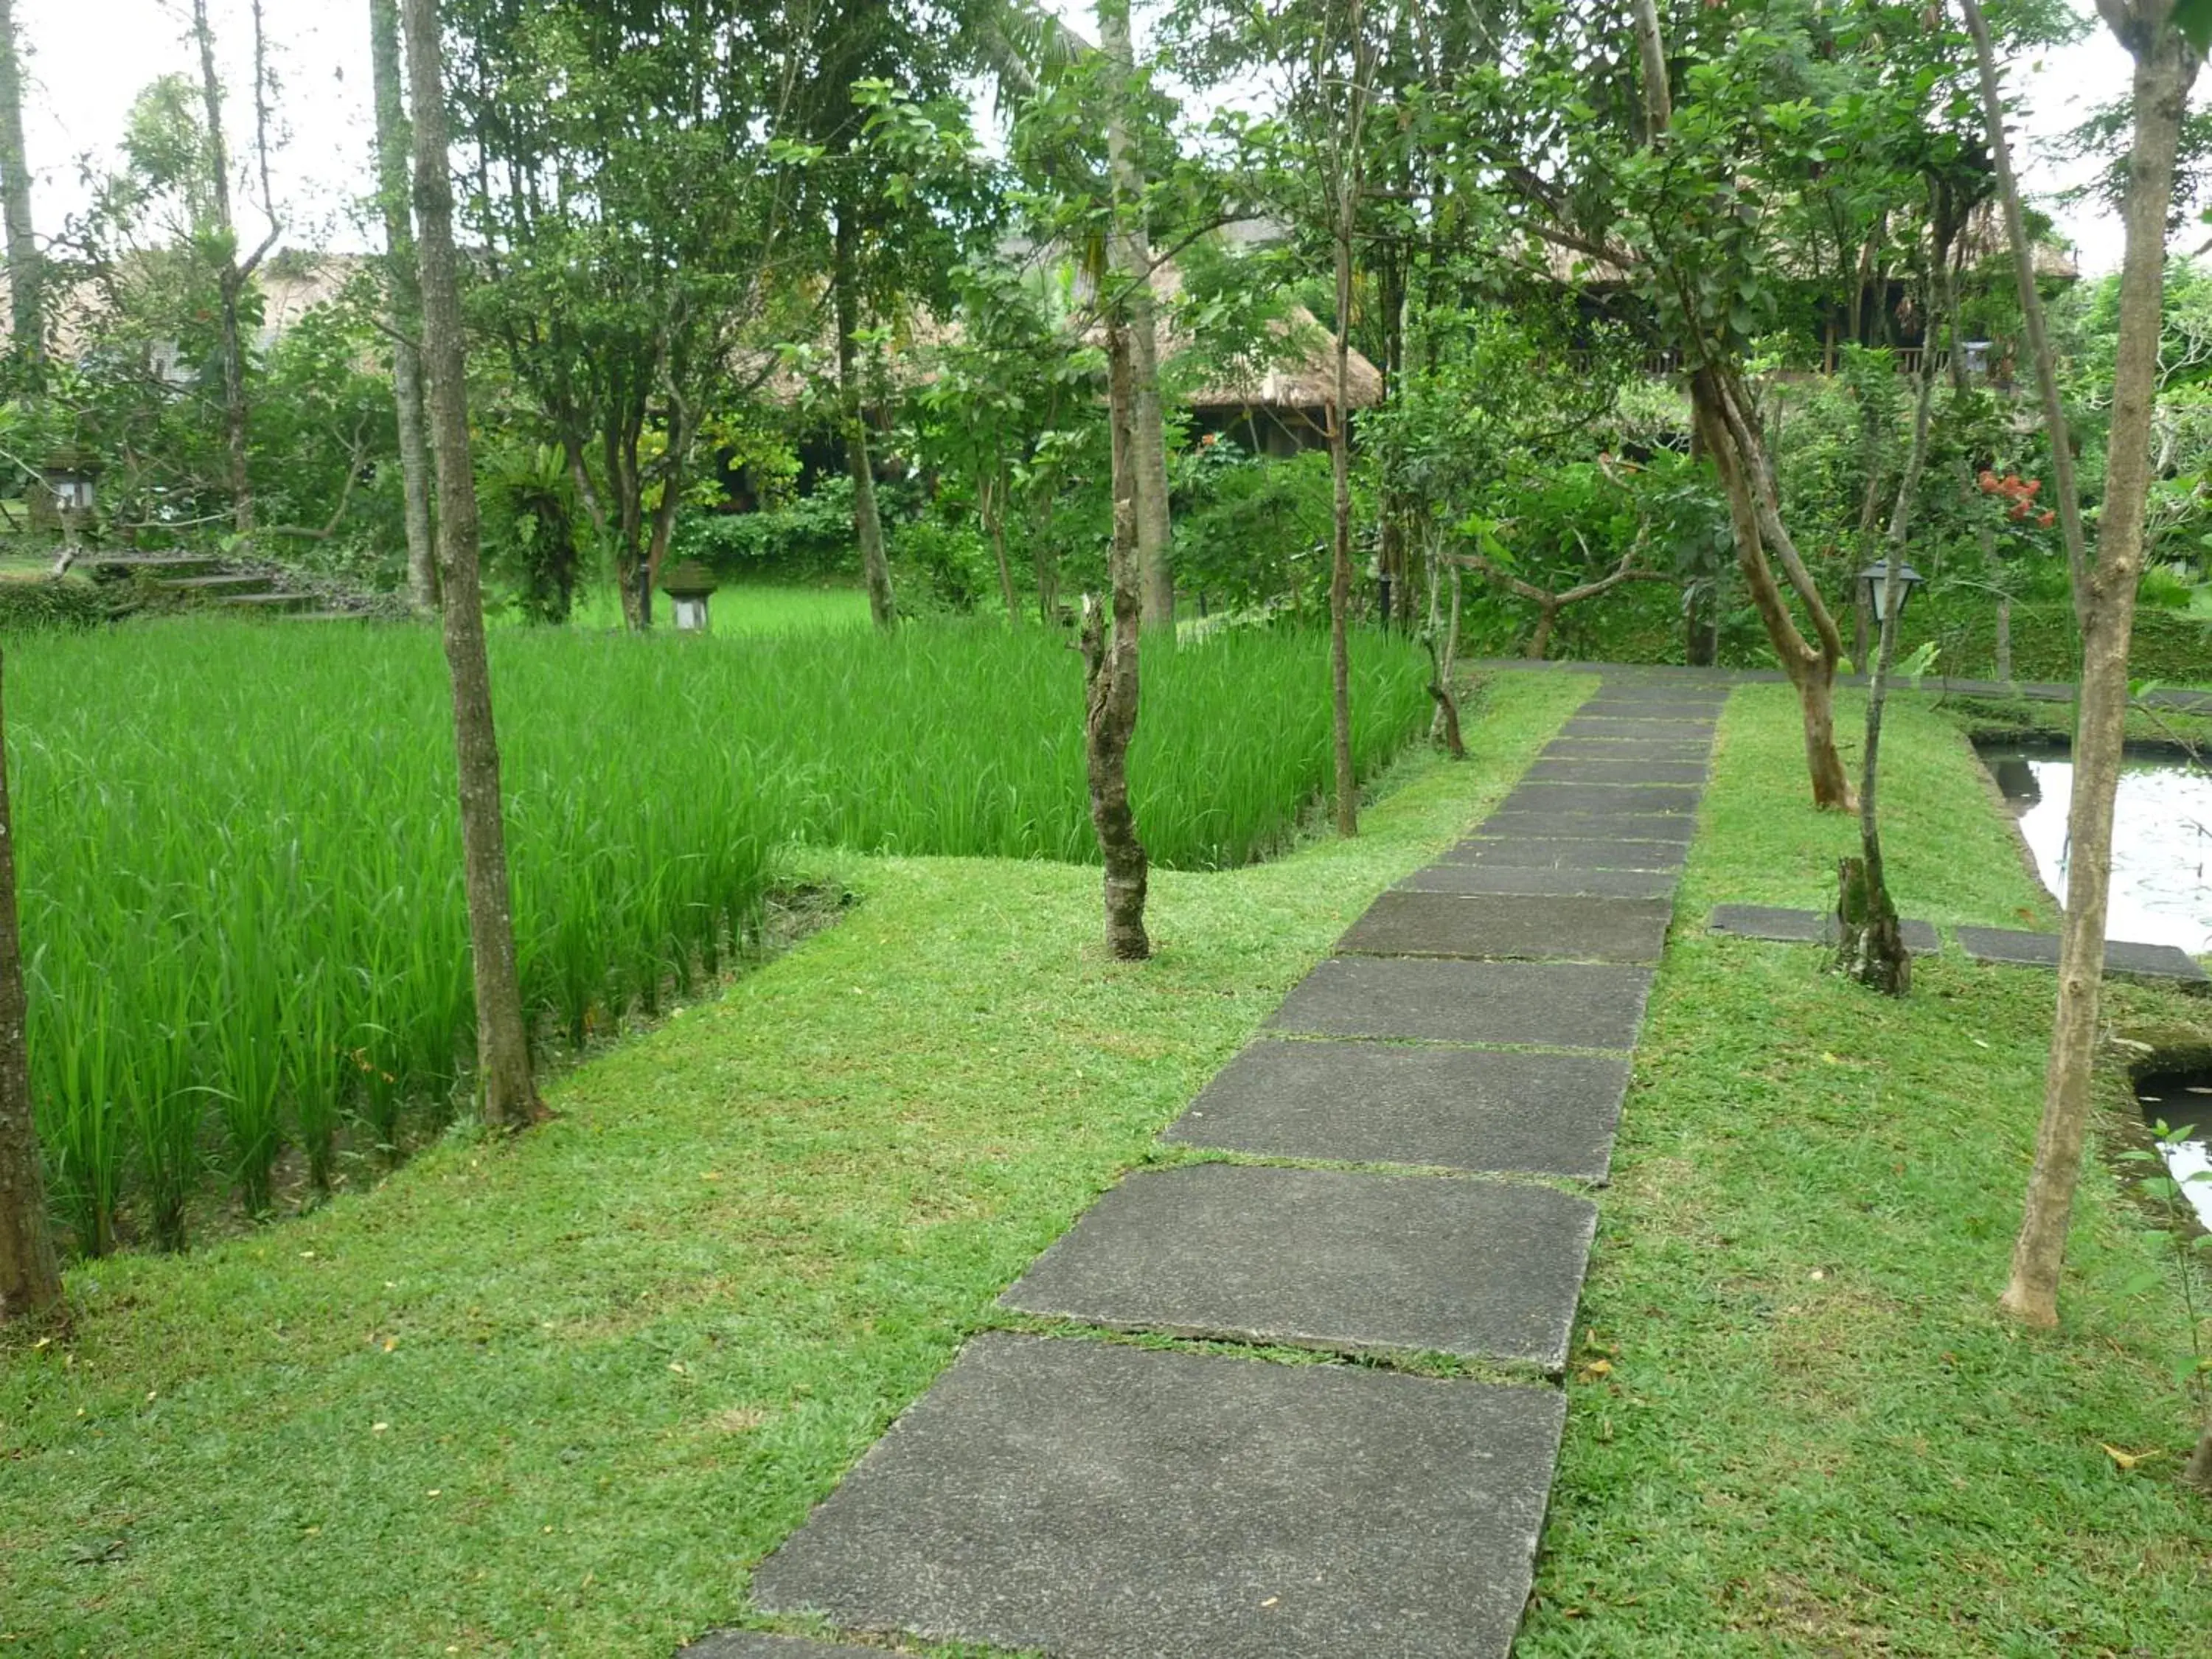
[
  {"x": 1532, "y": 796},
  {"x": 1654, "y": 708},
  {"x": 758, "y": 1644},
  {"x": 1508, "y": 878},
  {"x": 1101, "y": 1501},
  {"x": 1613, "y": 725},
  {"x": 1540, "y": 1004},
  {"x": 2041, "y": 951},
  {"x": 1628, "y": 770},
  {"x": 1765, "y": 921},
  {"x": 1383, "y": 1102},
  {"x": 1517, "y": 925},
  {"x": 1628, "y": 751},
  {"x": 1526, "y": 823},
  {"x": 1350, "y": 1263},
  {"x": 1571, "y": 852}
]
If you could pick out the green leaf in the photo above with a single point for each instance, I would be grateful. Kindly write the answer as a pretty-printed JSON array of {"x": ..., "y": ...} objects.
[{"x": 2194, "y": 19}]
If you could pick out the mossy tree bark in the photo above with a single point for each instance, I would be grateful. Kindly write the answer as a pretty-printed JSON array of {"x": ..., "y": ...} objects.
[
  {"x": 1346, "y": 184},
  {"x": 510, "y": 1098},
  {"x": 2104, "y": 601},
  {"x": 1109, "y": 642},
  {"x": 403, "y": 302},
  {"x": 1131, "y": 261},
  {"x": 30, "y": 1277},
  {"x": 867, "y": 520},
  {"x": 26, "y": 262}
]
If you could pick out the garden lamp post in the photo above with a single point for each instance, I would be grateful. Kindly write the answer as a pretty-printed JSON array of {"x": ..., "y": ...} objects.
[
  {"x": 689, "y": 587},
  {"x": 1873, "y": 600}
]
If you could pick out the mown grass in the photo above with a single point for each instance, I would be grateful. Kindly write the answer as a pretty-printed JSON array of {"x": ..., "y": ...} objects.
[
  {"x": 1817, "y": 1435},
  {"x": 240, "y": 860},
  {"x": 615, "y": 1363}
]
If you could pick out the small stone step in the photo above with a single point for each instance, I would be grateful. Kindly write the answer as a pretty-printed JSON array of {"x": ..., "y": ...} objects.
[
  {"x": 267, "y": 605},
  {"x": 117, "y": 566},
  {"x": 221, "y": 585}
]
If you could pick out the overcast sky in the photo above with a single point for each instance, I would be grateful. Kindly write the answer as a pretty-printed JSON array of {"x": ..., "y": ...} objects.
[{"x": 89, "y": 58}]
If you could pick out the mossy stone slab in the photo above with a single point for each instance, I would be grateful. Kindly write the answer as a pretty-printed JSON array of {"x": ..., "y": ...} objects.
[
  {"x": 1512, "y": 926},
  {"x": 1537, "y": 1005}
]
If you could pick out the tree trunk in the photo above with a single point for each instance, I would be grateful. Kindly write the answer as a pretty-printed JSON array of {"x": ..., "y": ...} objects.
[
  {"x": 2199, "y": 1471},
  {"x": 26, "y": 265},
  {"x": 30, "y": 1279},
  {"x": 1539, "y": 642},
  {"x": 1130, "y": 260},
  {"x": 2004, "y": 637},
  {"x": 230, "y": 280},
  {"x": 403, "y": 302},
  {"x": 991, "y": 502},
  {"x": 1734, "y": 445},
  {"x": 2031, "y": 304},
  {"x": 1109, "y": 679},
  {"x": 1339, "y": 578},
  {"x": 510, "y": 1095},
  {"x": 867, "y": 522},
  {"x": 2105, "y": 601}
]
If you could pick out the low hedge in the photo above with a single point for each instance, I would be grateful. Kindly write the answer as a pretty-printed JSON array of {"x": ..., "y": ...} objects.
[
  {"x": 2173, "y": 646},
  {"x": 43, "y": 602}
]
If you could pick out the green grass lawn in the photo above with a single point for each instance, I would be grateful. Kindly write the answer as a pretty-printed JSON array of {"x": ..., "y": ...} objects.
[
  {"x": 556, "y": 1398},
  {"x": 1817, "y": 1436}
]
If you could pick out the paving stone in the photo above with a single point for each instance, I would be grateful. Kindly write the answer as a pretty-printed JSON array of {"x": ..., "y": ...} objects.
[
  {"x": 1679, "y": 730},
  {"x": 1575, "y": 852},
  {"x": 1565, "y": 883},
  {"x": 1628, "y": 751},
  {"x": 1402, "y": 924},
  {"x": 1679, "y": 827},
  {"x": 1561, "y": 769},
  {"x": 758, "y": 1644},
  {"x": 2041, "y": 951},
  {"x": 1099, "y": 1501},
  {"x": 1543, "y": 1005},
  {"x": 1536, "y": 797},
  {"x": 1655, "y": 708},
  {"x": 1351, "y": 1263},
  {"x": 1808, "y": 926},
  {"x": 1386, "y": 1103}
]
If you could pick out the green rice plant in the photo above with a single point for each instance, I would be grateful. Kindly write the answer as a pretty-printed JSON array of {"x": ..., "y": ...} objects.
[{"x": 241, "y": 868}]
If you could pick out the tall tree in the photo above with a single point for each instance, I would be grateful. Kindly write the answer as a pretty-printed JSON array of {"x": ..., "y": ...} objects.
[
  {"x": 26, "y": 263},
  {"x": 30, "y": 1279},
  {"x": 2165, "y": 64},
  {"x": 403, "y": 309},
  {"x": 1110, "y": 670},
  {"x": 1345, "y": 69},
  {"x": 510, "y": 1093},
  {"x": 235, "y": 275},
  {"x": 1132, "y": 265}
]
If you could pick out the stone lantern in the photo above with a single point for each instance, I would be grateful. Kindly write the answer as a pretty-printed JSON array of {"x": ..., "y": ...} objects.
[
  {"x": 67, "y": 492},
  {"x": 689, "y": 586}
]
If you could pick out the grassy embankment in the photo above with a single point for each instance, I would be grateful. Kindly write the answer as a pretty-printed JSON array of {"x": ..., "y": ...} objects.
[
  {"x": 554, "y": 1398},
  {"x": 1817, "y": 1436},
  {"x": 744, "y": 608}
]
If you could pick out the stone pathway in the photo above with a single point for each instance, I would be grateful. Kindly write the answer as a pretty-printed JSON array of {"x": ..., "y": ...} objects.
[
  {"x": 1994, "y": 944},
  {"x": 1461, "y": 1061}
]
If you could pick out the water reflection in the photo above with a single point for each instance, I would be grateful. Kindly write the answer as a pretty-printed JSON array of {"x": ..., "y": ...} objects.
[
  {"x": 2162, "y": 892},
  {"x": 2186, "y": 1103}
]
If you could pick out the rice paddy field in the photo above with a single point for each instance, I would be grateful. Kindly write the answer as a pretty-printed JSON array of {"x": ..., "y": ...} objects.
[{"x": 239, "y": 857}]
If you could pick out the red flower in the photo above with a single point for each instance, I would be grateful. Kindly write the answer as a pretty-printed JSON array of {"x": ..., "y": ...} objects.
[
  {"x": 1989, "y": 482},
  {"x": 2046, "y": 518}
]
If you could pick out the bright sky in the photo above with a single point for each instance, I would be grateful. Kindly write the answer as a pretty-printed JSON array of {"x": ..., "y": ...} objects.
[{"x": 89, "y": 58}]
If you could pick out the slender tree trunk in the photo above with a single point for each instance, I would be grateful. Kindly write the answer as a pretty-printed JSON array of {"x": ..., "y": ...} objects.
[
  {"x": 1340, "y": 577},
  {"x": 1130, "y": 263},
  {"x": 2199, "y": 1471},
  {"x": 2004, "y": 637},
  {"x": 867, "y": 522},
  {"x": 991, "y": 499},
  {"x": 26, "y": 263},
  {"x": 2031, "y": 307},
  {"x": 1873, "y": 951},
  {"x": 30, "y": 1279},
  {"x": 510, "y": 1094},
  {"x": 403, "y": 302},
  {"x": 2105, "y": 600},
  {"x": 230, "y": 280},
  {"x": 1109, "y": 677}
]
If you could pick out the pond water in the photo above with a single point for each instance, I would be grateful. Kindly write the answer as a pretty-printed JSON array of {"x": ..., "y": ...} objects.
[{"x": 2162, "y": 892}]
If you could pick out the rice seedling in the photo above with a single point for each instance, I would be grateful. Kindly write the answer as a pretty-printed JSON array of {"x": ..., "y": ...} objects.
[{"x": 241, "y": 860}]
